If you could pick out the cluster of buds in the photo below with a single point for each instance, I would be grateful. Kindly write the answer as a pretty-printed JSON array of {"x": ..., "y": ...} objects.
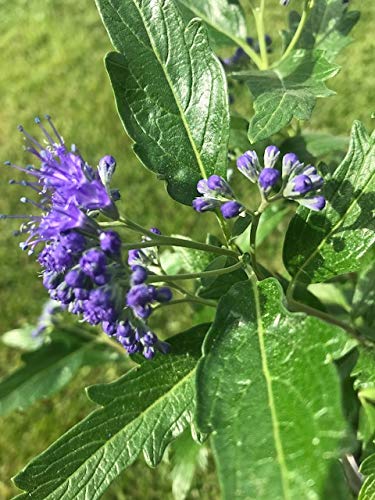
[{"x": 294, "y": 181}]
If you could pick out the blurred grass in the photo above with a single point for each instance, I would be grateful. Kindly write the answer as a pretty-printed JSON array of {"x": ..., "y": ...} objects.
[{"x": 51, "y": 62}]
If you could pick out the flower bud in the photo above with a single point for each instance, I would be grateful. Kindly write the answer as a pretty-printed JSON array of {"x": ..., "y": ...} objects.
[{"x": 106, "y": 169}]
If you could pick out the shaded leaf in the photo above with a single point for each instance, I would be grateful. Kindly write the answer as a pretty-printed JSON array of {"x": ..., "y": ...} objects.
[
  {"x": 287, "y": 91},
  {"x": 315, "y": 145},
  {"x": 270, "y": 395},
  {"x": 364, "y": 374},
  {"x": 193, "y": 261},
  {"x": 363, "y": 305},
  {"x": 170, "y": 91},
  {"x": 187, "y": 457},
  {"x": 319, "y": 246},
  {"x": 224, "y": 19},
  {"x": 49, "y": 369},
  {"x": 143, "y": 411},
  {"x": 240, "y": 225},
  {"x": 269, "y": 221},
  {"x": 327, "y": 27},
  {"x": 238, "y": 138}
]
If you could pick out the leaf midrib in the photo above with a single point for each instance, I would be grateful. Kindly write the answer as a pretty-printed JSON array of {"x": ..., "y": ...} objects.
[
  {"x": 170, "y": 84},
  {"x": 271, "y": 401},
  {"x": 139, "y": 416}
]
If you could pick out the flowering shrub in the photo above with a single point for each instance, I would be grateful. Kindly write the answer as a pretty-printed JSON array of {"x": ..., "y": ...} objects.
[{"x": 270, "y": 379}]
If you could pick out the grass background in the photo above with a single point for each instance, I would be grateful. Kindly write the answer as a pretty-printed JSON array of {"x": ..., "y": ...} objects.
[{"x": 51, "y": 62}]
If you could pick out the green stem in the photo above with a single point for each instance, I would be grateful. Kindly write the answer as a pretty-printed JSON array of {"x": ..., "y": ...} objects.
[
  {"x": 250, "y": 52},
  {"x": 299, "y": 307},
  {"x": 197, "y": 300},
  {"x": 305, "y": 14},
  {"x": 180, "y": 242},
  {"x": 259, "y": 23},
  {"x": 253, "y": 235},
  {"x": 160, "y": 240},
  {"x": 188, "y": 276}
]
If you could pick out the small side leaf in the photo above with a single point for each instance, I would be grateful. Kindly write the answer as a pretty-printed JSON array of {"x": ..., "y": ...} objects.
[
  {"x": 22, "y": 338},
  {"x": 143, "y": 411},
  {"x": 287, "y": 91}
]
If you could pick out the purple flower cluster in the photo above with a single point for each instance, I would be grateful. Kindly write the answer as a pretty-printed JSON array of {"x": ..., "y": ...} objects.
[
  {"x": 216, "y": 193},
  {"x": 87, "y": 276},
  {"x": 83, "y": 269},
  {"x": 296, "y": 181}
]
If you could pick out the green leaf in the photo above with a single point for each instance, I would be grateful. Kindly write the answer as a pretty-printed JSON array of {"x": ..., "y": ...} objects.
[
  {"x": 267, "y": 390},
  {"x": 170, "y": 91},
  {"x": 187, "y": 457},
  {"x": 48, "y": 369},
  {"x": 327, "y": 27},
  {"x": 287, "y": 91},
  {"x": 319, "y": 246},
  {"x": 363, "y": 304},
  {"x": 224, "y": 19},
  {"x": 368, "y": 469},
  {"x": 143, "y": 411}
]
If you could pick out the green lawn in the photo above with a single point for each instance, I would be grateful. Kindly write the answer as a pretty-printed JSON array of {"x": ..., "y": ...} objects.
[{"x": 51, "y": 62}]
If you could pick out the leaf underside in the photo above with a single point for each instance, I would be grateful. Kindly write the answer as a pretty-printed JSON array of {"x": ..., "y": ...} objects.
[
  {"x": 270, "y": 396},
  {"x": 170, "y": 91}
]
